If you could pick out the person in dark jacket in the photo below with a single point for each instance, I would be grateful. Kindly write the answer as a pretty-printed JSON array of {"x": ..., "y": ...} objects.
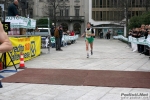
[
  {"x": 60, "y": 34},
  {"x": 52, "y": 29},
  {"x": 108, "y": 34},
  {"x": 13, "y": 9},
  {"x": 57, "y": 39}
]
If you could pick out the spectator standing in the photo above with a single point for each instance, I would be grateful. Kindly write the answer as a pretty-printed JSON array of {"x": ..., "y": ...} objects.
[
  {"x": 101, "y": 34},
  {"x": 141, "y": 34},
  {"x": 60, "y": 36},
  {"x": 108, "y": 35},
  {"x": 37, "y": 29},
  {"x": 52, "y": 29},
  {"x": 135, "y": 34},
  {"x": 72, "y": 33},
  {"x": 57, "y": 39},
  {"x": 13, "y": 9}
]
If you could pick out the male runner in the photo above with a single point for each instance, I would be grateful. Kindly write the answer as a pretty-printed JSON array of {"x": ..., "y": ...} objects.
[{"x": 89, "y": 38}]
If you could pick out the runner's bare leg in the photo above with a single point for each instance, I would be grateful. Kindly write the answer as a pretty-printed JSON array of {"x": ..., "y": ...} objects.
[
  {"x": 91, "y": 46},
  {"x": 87, "y": 48}
]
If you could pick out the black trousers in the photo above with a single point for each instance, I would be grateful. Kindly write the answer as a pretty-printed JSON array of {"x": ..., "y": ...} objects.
[
  {"x": 140, "y": 48},
  {"x": 108, "y": 36},
  {"x": 101, "y": 35},
  {"x": 60, "y": 41},
  {"x": 57, "y": 43},
  {"x": 1, "y": 85}
]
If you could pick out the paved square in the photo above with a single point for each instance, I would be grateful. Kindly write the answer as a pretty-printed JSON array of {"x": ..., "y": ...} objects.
[{"x": 108, "y": 55}]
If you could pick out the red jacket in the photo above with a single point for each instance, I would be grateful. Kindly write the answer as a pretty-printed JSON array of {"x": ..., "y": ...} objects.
[{"x": 72, "y": 34}]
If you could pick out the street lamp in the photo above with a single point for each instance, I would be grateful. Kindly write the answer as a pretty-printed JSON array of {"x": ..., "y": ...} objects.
[{"x": 126, "y": 16}]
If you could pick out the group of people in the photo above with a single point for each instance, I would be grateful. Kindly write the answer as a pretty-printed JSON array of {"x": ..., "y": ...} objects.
[
  {"x": 143, "y": 31},
  {"x": 58, "y": 34},
  {"x": 107, "y": 35}
]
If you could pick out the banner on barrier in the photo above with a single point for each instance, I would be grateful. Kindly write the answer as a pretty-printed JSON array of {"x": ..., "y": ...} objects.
[
  {"x": 131, "y": 39},
  {"x": 21, "y": 22},
  {"x": 29, "y": 46}
]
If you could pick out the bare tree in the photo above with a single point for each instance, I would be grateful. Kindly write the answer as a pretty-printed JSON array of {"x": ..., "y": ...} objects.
[{"x": 51, "y": 9}]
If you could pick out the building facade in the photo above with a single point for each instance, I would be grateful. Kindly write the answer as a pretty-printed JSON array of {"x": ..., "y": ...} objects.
[
  {"x": 111, "y": 14},
  {"x": 71, "y": 14}
]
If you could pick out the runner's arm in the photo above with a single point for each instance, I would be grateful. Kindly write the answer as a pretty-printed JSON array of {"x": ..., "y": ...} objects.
[
  {"x": 83, "y": 35},
  {"x": 4, "y": 40}
]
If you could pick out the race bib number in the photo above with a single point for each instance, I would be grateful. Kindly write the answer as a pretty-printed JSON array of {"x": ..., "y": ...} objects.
[{"x": 88, "y": 33}]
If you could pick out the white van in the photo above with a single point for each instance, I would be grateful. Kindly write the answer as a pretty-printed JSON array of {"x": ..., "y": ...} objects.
[{"x": 43, "y": 32}]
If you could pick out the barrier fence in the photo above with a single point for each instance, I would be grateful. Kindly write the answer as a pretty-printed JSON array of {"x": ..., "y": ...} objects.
[
  {"x": 131, "y": 39},
  {"x": 66, "y": 38}
]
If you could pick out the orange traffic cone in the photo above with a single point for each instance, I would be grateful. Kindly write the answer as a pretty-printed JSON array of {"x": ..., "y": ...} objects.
[{"x": 22, "y": 65}]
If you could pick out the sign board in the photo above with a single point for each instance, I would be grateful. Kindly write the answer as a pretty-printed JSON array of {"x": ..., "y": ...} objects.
[
  {"x": 21, "y": 22},
  {"x": 29, "y": 46},
  {"x": 6, "y": 26}
]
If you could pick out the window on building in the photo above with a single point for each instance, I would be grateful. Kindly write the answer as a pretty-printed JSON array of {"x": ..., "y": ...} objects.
[
  {"x": 76, "y": 0},
  {"x": 51, "y": 12},
  {"x": 66, "y": 12},
  {"x": 97, "y": 16},
  {"x": 108, "y": 3},
  {"x": 77, "y": 10},
  {"x": 133, "y": 3},
  {"x": 104, "y": 3},
  {"x": 101, "y": 3},
  {"x": 93, "y": 15},
  {"x": 93, "y": 3},
  {"x": 141, "y": 3},
  {"x": 31, "y": 13},
  {"x": 61, "y": 12},
  {"x": 97, "y": 4}
]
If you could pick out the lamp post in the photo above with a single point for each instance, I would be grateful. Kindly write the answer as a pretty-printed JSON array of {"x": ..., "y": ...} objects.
[{"x": 126, "y": 16}]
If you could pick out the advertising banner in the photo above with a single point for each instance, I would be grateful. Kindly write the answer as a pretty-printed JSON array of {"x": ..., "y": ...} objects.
[
  {"x": 131, "y": 39},
  {"x": 29, "y": 46},
  {"x": 21, "y": 22}
]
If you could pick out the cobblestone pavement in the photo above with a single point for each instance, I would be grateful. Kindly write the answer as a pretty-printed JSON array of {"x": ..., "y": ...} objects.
[{"x": 108, "y": 55}]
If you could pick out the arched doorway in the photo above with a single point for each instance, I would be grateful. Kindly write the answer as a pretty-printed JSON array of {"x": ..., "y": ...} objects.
[
  {"x": 77, "y": 28},
  {"x": 65, "y": 27}
]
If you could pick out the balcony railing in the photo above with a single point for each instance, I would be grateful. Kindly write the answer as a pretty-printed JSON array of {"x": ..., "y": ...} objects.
[{"x": 69, "y": 18}]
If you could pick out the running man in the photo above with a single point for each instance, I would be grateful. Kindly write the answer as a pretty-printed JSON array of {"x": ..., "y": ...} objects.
[{"x": 89, "y": 38}]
